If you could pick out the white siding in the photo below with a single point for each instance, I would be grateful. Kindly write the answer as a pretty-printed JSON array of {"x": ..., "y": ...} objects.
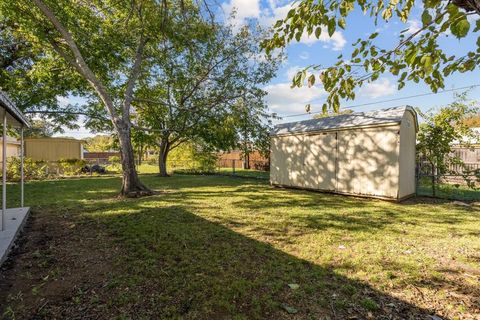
[
  {"x": 407, "y": 155},
  {"x": 368, "y": 161}
]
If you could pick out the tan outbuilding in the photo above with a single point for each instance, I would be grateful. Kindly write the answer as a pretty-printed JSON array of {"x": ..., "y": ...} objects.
[
  {"x": 363, "y": 153},
  {"x": 53, "y": 149}
]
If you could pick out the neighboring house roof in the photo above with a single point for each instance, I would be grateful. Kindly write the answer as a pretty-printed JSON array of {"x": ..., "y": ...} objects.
[
  {"x": 8, "y": 105},
  {"x": 352, "y": 120}
]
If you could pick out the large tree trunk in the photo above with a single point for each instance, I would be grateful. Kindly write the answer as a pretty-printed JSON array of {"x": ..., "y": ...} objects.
[
  {"x": 131, "y": 184},
  {"x": 162, "y": 158}
]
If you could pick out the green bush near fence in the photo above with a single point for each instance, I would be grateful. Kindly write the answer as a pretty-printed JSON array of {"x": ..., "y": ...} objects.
[
  {"x": 40, "y": 170},
  {"x": 33, "y": 169},
  {"x": 70, "y": 167},
  {"x": 114, "y": 164}
]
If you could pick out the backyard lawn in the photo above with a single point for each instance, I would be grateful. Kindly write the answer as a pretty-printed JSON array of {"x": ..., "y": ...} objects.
[{"x": 217, "y": 247}]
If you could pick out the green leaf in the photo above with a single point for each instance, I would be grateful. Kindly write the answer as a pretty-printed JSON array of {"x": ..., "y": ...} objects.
[
  {"x": 410, "y": 55},
  {"x": 426, "y": 18},
  {"x": 298, "y": 36},
  {"x": 311, "y": 80},
  {"x": 331, "y": 26},
  {"x": 290, "y": 13},
  {"x": 342, "y": 23},
  {"x": 318, "y": 32},
  {"x": 426, "y": 61},
  {"x": 460, "y": 28},
  {"x": 278, "y": 24}
]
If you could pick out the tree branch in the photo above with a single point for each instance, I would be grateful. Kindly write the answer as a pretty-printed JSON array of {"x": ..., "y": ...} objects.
[
  {"x": 78, "y": 61},
  {"x": 133, "y": 78}
]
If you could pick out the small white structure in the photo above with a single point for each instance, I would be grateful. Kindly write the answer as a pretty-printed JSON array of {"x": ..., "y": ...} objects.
[
  {"x": 363, "y": 153},
  {"x": 11, "y": 220}
]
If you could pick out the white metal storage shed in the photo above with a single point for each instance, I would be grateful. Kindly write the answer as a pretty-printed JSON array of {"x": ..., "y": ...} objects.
[{"x": 363, "y": 153}]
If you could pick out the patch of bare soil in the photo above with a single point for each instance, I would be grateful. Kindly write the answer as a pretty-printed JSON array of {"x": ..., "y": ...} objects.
[{"x": 58, "y": 270}]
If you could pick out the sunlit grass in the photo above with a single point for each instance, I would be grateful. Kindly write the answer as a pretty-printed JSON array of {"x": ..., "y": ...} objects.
[{"x": 219, "y": 247}]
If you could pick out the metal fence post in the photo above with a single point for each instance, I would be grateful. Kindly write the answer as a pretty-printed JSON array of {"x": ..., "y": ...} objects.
[{"x": 233, "y": 166}]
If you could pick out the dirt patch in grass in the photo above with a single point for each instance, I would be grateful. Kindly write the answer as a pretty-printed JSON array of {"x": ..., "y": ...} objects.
[{"x": 60, "y": 269}]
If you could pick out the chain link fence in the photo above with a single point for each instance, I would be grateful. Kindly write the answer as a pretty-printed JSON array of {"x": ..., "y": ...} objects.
[{"x": 458, "y": 182}]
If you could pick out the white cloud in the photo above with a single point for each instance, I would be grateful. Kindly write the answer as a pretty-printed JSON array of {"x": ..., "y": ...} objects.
[
  {"x": 267, "y": 17},
  {"x": 337, "y": 40},
  {"x": 283, "y": 100},
  {"x": 413, "y": 26},
  {"x": 304, "y": 55},
  {"x": 244, "y": 9},
  {"x": 274, "y": 13},
  {"x": 381, "y": 87}
]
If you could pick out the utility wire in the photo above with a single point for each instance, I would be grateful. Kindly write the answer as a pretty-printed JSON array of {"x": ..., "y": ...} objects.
[{"x": 389, "y": 100}]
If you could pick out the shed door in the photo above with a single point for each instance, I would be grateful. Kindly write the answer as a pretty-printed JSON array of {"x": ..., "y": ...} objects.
[{"x": 319, "y": 161}]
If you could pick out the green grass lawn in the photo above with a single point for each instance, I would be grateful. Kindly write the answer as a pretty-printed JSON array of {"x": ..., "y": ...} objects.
[
  {"x": 249, "y": 173},
  {"x": 448, "y": 191},
  {"x": 216, "y": 247}
]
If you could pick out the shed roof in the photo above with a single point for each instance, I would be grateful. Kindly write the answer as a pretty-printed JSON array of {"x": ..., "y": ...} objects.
[
  {"x": 352, "y": 120},
  {"x": 12, "y": 110}
]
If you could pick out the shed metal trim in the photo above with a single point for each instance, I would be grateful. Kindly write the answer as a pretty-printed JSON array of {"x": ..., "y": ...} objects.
[
  {"x": 379, "y": 125},
  {"x": 384, "y": 117}
]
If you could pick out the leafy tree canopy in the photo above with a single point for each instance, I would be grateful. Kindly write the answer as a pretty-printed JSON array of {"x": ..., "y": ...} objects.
[
  {"x": 19, "y": 60},
  {"x": 441, "y": 130},
  {"x": 208, "y": 90},
  {"x": 97, "y": 49},
  {"x": 416, "y": 57},
  {"x": 100, "y": 143}
]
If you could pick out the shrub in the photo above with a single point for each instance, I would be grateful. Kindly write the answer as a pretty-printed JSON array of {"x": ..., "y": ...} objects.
[
  {"x": 33, "y": 169},
  {"x": 70, "y": 167},
  {"x": 115, "y": 164}
]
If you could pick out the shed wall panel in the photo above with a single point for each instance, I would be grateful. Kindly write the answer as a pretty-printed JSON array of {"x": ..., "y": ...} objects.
[
  {"x": 52, "y": 149},
  {"x": 319, "y": 161},
  {"x": 367, "y": 161},
  {"x": 407, "y": 155},
  {"x": 286, "y": 166}
]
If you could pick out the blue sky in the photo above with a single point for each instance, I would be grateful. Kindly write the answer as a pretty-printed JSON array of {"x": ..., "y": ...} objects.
[{"x": 286, "y": 101}]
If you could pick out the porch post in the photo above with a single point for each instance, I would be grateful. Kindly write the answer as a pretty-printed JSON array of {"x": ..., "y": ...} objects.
[
  {"x": 22, "y": 176},
  {"x": 4, "y": 169}
]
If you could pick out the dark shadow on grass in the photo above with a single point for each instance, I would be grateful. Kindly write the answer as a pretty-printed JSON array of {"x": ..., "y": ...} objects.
[{"x": 188, "y": 267}]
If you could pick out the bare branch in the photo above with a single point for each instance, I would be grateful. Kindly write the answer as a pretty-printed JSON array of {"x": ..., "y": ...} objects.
[{"x": 133, "y": 78}]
